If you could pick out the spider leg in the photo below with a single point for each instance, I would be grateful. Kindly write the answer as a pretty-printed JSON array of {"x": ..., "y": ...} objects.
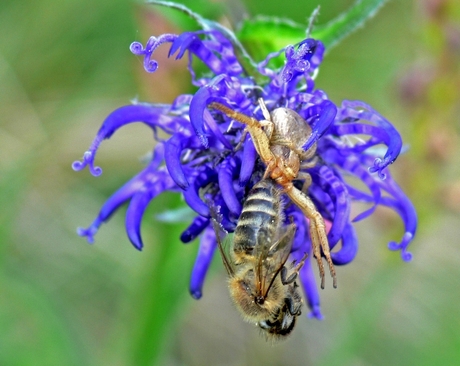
[
  {"x": 317, "y": 230},
  {"x": 254, "y": 127},
  {"x": 307, "y": 180},
  {"x": 269, "y": 128},
  {"x": 284, "y": 142},
  {"x": 307, "y": 155},
  {"x": 271, "y": 166},
  {"x": 264, "y": 109},
  {"x": 309, "y": 162}
]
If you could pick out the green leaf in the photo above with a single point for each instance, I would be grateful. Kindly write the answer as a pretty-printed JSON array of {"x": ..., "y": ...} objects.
[
  {"x": 336, "y": 30},
  {"x": 264, "y": 35}
]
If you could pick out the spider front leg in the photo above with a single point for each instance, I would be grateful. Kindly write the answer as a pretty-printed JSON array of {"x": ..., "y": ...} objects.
[
  {"x": 317, "y": 230},
  {"x": 306, "y": 177},
  {"x": 255, "y": 128},
  {"x": 264, "y": 109}
]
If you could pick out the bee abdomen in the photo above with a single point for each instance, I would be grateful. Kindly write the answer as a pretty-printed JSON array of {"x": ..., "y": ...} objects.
[{"x": 260, "y": 210}]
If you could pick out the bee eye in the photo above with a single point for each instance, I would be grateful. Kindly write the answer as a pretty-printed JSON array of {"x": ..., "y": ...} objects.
[{"x": 246, "y": 287}]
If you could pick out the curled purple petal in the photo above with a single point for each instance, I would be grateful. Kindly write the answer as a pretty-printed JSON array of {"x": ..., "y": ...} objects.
[
  {"x": 408, "y": 215},
  {"x": 211, "y": 123},
  {"x": 182, "y": 43},
  {"x": 402, "y": 205},
  {"x": 339, "y": 195},
  {"x": 208, "y": 244},
  {"x": 124, "y": 194},
  {"x": 349, "y": 247},
  {"x": 196, "y": 228},
  {"x": 248, "y": 161},
  {"x": 406, "y": 210},
  {"x": 192, "y": 196},
  {"x": 149, "y": 114},
  {"x": 173, "y": 151},
  {"x": 152, "y": 44},
  {"x": 200, "y": 101},
  {"x": 378, "y": 135},
  {"x": 111, "y": 205},
  {"x": 134, "y": 214},
  {"x": 369, "y": 114},
  {"x": 190, "y": 41},
  {"x": 402, "y": 246},
  {"x": 88, "y": 159},
  {"x": 227, "y": 172},
  {"x": 228, "y": 222},
  {"x": 216, "y": 53},
  {"x": 197, "y": 106},
  {"x": 318, "y": 54},
  {"x": 297, "y": 60},
  {"x": 326, "y": 118},
  {"x": 353, "y": 166},
  {"x": 156, "y": 184},
  {"x": 89, "y": 232}
]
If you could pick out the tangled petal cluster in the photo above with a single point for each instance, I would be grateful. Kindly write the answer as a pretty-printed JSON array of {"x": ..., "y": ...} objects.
[{"x": 200, "y": 161}]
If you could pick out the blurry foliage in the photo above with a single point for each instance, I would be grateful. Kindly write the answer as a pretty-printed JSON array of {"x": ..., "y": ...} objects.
[{"x": 65, "y": 65}]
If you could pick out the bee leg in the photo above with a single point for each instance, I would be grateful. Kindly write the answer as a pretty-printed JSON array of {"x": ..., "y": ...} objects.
[
  {"x": 285, "y": 279},
  {"x": 242, "y": 139},
  {"x": 317, "y": 230},
  {"x": 293, "y": 309}
]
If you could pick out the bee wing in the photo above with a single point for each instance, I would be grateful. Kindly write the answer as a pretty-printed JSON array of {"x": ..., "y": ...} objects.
[
  {"x": 223, "y": 239},
  {"x": 271, "y": 259},
  {"x": 281, "y": 248},
  {"x": 260, "y": 252}
]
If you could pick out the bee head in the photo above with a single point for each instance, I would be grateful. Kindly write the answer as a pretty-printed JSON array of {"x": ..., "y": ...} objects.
[{"x": 253, "y": 305}]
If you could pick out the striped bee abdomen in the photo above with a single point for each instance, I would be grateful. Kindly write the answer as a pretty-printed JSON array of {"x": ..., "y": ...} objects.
[{"x": 261, "y": 211}]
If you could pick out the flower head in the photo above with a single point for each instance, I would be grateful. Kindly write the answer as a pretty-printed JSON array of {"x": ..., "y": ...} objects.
[{"x": 200, "y": 161}]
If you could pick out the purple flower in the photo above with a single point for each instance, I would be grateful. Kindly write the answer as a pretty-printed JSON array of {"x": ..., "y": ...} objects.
[{"x": 200, "y": 156}]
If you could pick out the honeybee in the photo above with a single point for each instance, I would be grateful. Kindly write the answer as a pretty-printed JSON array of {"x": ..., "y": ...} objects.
[
  {"x": 279, "y": 139},
  {"x": 262, "y": 286}
]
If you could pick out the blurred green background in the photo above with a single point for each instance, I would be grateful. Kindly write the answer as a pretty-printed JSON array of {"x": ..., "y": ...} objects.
[{"x": 64, "y": 66}]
